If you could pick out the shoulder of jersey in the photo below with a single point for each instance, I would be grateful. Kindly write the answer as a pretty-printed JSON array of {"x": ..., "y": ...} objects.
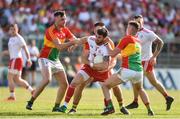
[
  {"x": 147, "y": 30},
  {"x": 19, "y": 36},
  {"x": 92, "y": 37}
]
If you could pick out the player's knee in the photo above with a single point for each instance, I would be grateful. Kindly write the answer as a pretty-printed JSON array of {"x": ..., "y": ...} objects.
[
  {"x": 106, "y": 85},
  {"x": 75, "y": 83},
  {"x": 139, "y": 88},
  {"x": 17, "y": 79},
  {"x": 64, "y": 84}
]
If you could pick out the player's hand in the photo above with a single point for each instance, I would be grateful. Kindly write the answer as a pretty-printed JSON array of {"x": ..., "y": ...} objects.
[
  {"x": 152, "y": 61},
  {"x": 29, "y": 63},
  {"x": 72, "y": 48},
  {"x": 75, "y": 41}
]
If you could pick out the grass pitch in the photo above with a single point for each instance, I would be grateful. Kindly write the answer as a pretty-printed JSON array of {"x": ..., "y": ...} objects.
[{"x": 90, "y": 106}]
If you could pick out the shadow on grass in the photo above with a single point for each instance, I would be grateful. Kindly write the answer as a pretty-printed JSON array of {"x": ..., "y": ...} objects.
[
  {"x": 30, "y": 114},
  {"x": 26, "y": 114}
]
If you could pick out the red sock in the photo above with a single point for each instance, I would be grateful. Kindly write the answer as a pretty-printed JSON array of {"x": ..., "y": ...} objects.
[
  {"x": 105, "y": 102},
  {"x": 69, "y": 93},
  {"x": 165, "y": 95},
  {"x": 135, "y": 99}
]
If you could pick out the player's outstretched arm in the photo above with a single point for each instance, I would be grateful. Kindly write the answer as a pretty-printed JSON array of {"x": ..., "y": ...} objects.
[
  {"x": 82, "y": 40},
  {"x": 112, "y": 63},
  {"x": 79, "y": 41},
  {"x": 114, "y": 52},
  {"x": 63, "y": 46}
]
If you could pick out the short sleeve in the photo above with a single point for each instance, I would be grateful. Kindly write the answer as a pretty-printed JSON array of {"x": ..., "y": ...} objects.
[
  {"x": 152, "y": 36},
  {"x": 68, "y": 33},
  {"x": 21, "y": 41},
  {"x": 122, "y": 44},
  {"x": 50, "y": 32}
]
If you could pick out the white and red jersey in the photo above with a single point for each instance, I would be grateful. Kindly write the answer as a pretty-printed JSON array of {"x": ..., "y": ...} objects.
[
  {"x": 146, "y": 38},
  {"x": 95, "y": 49},
  {"x": 14, "y": 45}
]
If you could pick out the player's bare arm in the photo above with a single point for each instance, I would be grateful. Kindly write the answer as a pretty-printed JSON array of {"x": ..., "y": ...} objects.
[
  {"x": 114, "y": 52},
  {"x": 159, "y": 44},
  {"x": 79, "y": 41},
  {"x": 29, "y": 63},
  {"x": 73, "y": 47},
  {"x": 63, "y": 46},
  {"x": 112, "y": 63},
  {"x": 82, "y": 40},
  {"x": 112, "y": 60}
]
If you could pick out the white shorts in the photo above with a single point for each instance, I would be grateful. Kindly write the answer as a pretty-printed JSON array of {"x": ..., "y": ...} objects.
[
  {"x": 130, "y": 75},
  {"x": 55, "y": 66}
]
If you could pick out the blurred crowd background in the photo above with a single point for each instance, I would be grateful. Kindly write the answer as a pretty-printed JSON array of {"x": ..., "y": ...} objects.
[{"x": 34, "y": 16}]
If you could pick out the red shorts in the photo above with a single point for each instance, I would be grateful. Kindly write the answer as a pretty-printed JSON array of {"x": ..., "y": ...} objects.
[
  {"x": 98, "y": 76},
  {"x": 147, "y": 66},
  {"x": 15, "y": 66}
]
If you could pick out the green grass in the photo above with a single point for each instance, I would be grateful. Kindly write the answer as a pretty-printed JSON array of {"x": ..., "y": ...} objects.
[{"x": 90, "y": 106}]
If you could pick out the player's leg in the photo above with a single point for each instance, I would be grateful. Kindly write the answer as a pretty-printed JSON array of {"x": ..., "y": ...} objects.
[
  {"x": 134, "y": 104},
  {"x": 11, "y": 86},
  {"x": 77, "y": 96},
  {"x": 114, "y": 80},
  {"x": 78, "y": 79},
  {"x": 46, "y": 78},
  {"x": 144, "y": 97},
  {"x": 21, "y": 82},
  {"x": 153, "y": 80},
  {"x": 119, "y": 97},
  {"x": 33, "y": 75},
  {"x": 63, "y": 84}
]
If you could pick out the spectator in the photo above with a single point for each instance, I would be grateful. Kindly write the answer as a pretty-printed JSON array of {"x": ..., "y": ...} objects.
[{"x": 34, "y": 53}]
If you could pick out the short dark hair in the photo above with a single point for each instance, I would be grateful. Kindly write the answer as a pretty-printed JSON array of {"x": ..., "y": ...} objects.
[
  {"x": 103, "y": 32},
  {"x": 135, "y": 24},
  {"x": 99, "y": 24},
  {"x": 13, "y": 25},
  {"x": 59, "y": 13},
  {"x": 138, "y": 16}
]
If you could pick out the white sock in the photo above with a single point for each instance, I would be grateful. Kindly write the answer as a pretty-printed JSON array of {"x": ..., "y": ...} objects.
[
  {"x": 30, "y": 89},
  {"x": 65, "y": 104},
  {"x": 12, "y": 94}
]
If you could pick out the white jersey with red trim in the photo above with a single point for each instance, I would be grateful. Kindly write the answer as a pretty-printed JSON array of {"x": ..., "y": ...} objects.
[
  {"x": 95, "y": 50},
  {"x": 14, "y": 46},
  {"x": 146, "y": 38}
]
